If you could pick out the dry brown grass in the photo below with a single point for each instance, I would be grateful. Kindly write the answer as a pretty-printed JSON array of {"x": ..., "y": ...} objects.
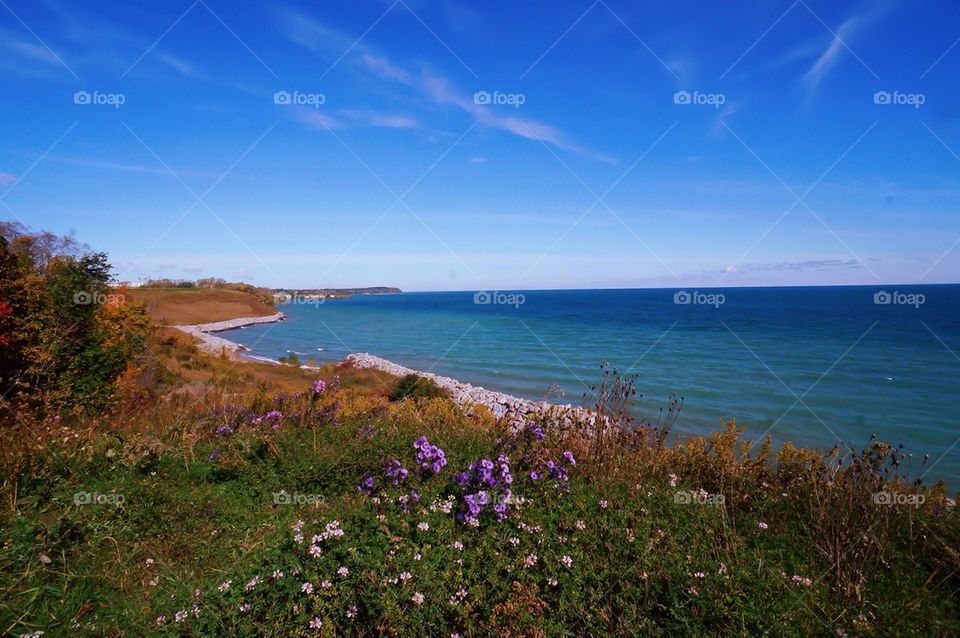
[{"x": 188, "y": 306}]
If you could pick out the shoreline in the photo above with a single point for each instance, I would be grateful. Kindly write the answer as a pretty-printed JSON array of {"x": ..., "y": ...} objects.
[
  {"x": 214, "y": 345},
  {"x": 516, "y": 409}
]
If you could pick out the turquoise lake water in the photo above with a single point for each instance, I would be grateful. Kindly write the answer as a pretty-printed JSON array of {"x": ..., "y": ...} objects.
[{"x": 812, "y": 365}]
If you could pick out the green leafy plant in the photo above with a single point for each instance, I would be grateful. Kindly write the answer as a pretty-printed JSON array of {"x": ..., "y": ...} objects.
[{"x": 415, "y": 387}]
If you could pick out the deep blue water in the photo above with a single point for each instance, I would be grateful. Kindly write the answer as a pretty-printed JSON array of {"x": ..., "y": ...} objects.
[{"x": 859, "y": 367}]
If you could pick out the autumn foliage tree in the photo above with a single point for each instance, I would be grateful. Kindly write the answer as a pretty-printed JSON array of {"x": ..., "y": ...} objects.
[{"x": 64, "y": 336}]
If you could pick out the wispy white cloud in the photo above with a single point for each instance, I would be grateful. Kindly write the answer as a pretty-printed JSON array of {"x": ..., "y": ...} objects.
[
  {"x": 803, "y": 265},
  {"x": 391, "y": 121},
  {"x": 315, "y": 119},
  {"x": 828, "y": 58},
  {"x": 125, "y": 167},
  {"x": 29, "y": 58},
  {"x": 436, "y": 88},
  {"x": 181, "y": 66}
]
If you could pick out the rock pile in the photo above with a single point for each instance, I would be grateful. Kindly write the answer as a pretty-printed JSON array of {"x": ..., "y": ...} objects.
[
  {"x": 517, "y": 411},
  {"x": 216, "y": 345}
]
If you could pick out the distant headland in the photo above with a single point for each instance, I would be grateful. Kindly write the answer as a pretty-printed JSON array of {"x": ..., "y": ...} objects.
[{"x": 283, "y": 295}]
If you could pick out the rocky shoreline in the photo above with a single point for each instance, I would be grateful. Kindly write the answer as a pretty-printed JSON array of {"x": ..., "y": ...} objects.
[
  {"x": 516, "y": 410},
  {"x": 212, "y": 344}
]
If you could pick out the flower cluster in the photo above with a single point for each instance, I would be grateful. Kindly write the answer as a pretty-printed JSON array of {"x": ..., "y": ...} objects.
[
  {"x": 485, "y": 485},
  {"x": 430, "y": 458},
  {"x": 319, "y": 386},
  {"x": 534, "y": 430},
  {"x": 395, "y": 472},
  {"x": 223, "y": 430},
  {"x": 558, "y": 472},
  {"x": 366, "y": 485},
  {"x": 271, "y": 418}
]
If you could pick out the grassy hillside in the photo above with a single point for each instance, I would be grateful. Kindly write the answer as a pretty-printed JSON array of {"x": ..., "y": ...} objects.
[
  {"x": 319, "y": 510},
  {"x": 178, "y": 306}
]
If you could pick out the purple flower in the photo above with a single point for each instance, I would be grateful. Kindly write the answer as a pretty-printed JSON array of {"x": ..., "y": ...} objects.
[
  {"x": 223, "y": 430},
  {"x": 568, "y": 455},
  {"x": 430, "y": 458},
  {"x": 395, "y": 472},
  {"x": 485, "y": 487},
  {"x": 215, "y": 455},
  {"x": 366, "y": 485},
  {"x": 319, "y": 386},
  {"x": 535, "y": 430}
]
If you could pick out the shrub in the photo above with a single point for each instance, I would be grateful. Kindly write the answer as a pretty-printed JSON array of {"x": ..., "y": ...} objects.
[{"x": 416, "y": 387}]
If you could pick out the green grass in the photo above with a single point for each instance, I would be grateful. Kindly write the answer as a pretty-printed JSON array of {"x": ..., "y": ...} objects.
[{"x": 642, "y": 565}]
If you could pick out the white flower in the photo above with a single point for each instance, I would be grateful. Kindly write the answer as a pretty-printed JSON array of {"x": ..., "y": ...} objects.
[
  {"x": 581, "y": 525},
  {"x": 514, "y": 541},
  {"x": 307, "y": 588},
  {"x": 405, "y": 576},
  {"x": 530, "y": 560},
  {"x": 423, "y": 526},
  {"x": 762, "y": 525},
  {"x": 180, "y": 616},
  {"x": 245, "y": 607},
  {"x": 316, "y": 623},
  {"x": 343, "y": 571},
  {"x": 567, "y": 561},
  {"x": 802, "y": 580},
  {"x": 225, "y": 585},
  {"x": 457, "y": 545},
  {"x": 326, "y": 584},
  {"x": 417, "y": 598}
]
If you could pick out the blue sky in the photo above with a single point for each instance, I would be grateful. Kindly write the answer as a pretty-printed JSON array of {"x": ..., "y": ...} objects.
[{"x": 778, "y": 166}]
